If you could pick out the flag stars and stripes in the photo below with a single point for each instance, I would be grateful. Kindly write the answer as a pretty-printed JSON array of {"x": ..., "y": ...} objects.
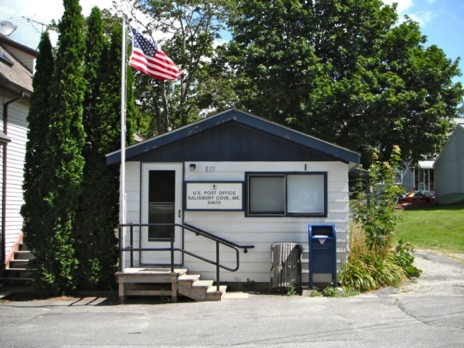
[
  {"x": 147, "y": 58},
  {"x": 146, "y": 46}
]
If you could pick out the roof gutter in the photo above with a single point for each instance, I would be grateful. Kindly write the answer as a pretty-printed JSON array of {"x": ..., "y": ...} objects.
[
  {"x": 4, "y": 175},
  {"x": 14, "y": 88}
]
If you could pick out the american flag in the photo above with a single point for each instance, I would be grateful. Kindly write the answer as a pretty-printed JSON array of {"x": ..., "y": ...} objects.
[{"x": 147, "y": 58}]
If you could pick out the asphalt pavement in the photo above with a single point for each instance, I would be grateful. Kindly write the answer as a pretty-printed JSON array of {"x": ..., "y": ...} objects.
[{"x": 428, "y": 312}]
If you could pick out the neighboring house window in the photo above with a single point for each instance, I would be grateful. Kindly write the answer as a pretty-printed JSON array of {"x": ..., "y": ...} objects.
[
  {"x": 399, "y": 175},
  {"x": 287, "y": 194}
]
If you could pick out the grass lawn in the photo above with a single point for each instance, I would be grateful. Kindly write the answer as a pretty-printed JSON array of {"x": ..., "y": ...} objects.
[{"x": 440, "y": 228}]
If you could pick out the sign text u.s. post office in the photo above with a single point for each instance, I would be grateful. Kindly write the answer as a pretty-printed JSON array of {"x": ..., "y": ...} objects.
[{"x": 214, "y": 196}]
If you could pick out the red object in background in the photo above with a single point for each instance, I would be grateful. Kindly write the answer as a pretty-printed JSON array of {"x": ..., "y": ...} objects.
[{"x": 417, "y": 199}]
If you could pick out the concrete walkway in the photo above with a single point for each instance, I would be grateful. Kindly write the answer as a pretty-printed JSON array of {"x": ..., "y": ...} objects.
[{"x": 425, "y": 313}]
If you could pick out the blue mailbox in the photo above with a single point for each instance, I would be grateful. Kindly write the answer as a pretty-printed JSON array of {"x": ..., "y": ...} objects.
[{"x": 322, "y": 251}]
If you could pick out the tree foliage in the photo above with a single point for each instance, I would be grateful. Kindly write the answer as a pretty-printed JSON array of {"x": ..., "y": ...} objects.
[
  {"x": 190, "y": 28},
  {"x": 98, "y": 206},
  {"x": 100, "y": 202},
  {"x": 375, "y": 210},
  {"x": 55, "y": 249},
  {"x": 373, "y": 262},
  {"x": 345, "y": 71},
  {"x": 71, "y": 195},
  {"x": 36, "y": 182}
]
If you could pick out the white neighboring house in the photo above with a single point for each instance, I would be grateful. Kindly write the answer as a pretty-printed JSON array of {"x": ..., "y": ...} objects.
[
  {"x": 17, "y": 64},
  {"x": 241, "y": 178},
  {"x": 418, "y": 178},
  {"x": 449, "y": 168},
  {"x": 422, "y": 176}
]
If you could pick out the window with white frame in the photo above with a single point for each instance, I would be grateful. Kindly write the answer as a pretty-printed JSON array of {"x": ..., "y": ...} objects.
[{"x": 287, "y": 194}]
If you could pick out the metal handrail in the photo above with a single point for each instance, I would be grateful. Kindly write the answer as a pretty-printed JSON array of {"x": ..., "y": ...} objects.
[
  {"x": 222, "y": 240},
  {"x": 219, "y": 241}
]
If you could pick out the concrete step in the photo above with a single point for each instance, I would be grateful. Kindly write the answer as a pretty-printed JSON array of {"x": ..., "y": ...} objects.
[
  {"x": 200, "y": 290},
  {"x": 189, "y": 278},
  {"x": 161, "y": 282},
  {"x": 202, "y": 284},
  {"x": 190, "y": 285},
  {"x": 212, "y": 294}
]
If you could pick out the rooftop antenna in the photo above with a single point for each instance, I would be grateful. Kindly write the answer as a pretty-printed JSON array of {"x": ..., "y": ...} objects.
[
  {"x": 33, "y": 21},
  {"x": 7, "y": 28}
]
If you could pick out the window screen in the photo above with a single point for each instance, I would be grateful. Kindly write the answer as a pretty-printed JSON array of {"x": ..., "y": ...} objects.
[
  {"x": 305, "y": 194},
  {"x": 266, "y": 194},
  {"x": 288, "y": 194}
]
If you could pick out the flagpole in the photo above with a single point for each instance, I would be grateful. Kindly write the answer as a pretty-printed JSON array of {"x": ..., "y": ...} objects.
[{"x": 122, "y": 200}]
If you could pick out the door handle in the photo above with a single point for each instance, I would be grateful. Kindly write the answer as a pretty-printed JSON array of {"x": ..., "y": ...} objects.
[{"x": 178, "y": 213}]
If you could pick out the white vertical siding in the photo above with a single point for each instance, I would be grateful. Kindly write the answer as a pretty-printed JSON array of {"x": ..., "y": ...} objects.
[
  {"x": 265, "y": 231},
  {"x": 261, "y": 232},
  {"x": 449, "y": 169},
  {"x": 133, "y": 191},
  {"x": 133, "y": 185},
  {"x": 16, "y": 149}
]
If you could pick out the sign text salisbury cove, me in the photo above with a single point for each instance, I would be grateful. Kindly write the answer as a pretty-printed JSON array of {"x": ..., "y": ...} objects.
[{"x": 214, "y": 196}]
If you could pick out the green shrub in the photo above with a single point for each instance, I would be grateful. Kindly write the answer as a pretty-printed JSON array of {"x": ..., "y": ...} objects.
[
  {"x": 372, "y": 271},
  {"x": 375, "y": 211},
  {"x": 373, "y": 263},
  {"x": 403, "y": 257}
]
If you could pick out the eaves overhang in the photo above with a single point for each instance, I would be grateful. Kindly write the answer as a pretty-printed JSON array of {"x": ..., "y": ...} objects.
[{"x": 249, "y": 120}]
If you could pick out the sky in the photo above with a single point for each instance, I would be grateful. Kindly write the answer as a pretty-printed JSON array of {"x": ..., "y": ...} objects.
[{"x": 442, "y": 21}]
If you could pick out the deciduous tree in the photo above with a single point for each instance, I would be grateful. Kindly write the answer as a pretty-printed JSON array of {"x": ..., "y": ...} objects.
[
  {"x": 190, "y": 28},
  {"x": 345, "y": 71}
]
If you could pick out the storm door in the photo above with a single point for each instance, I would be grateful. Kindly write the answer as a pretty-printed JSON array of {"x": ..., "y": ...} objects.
[{"x": 162, "y": 205}]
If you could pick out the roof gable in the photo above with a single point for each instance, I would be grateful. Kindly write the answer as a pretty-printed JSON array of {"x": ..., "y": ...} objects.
[
  {"x": 454, "y": 144},
  {"x": 234, "y": 135},
  {"x": 14, "y": 75}
]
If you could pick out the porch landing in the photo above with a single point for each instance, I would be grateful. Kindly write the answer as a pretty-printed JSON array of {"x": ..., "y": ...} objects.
[{"x": 162, "y": 282}]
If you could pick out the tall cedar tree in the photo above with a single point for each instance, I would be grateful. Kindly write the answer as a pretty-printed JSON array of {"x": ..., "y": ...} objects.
[
  {"x": 99, "y": 206},
  {"x": 90, "y": 227},
  {"x": 65, "y": 138},
  {"x": 36, "y": 183},
  {"x": 345, "y": 71}
]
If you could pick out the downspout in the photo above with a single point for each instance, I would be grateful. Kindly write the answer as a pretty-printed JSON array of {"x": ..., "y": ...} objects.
[{"x": 4, "y": 176}]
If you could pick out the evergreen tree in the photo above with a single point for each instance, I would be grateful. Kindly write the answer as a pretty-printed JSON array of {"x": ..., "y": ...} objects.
[
  {"x": 99, "y": 212},
  {"x": 36, "y": 184},
  {"x": 90, "y": 207},
  {"x": 65, "y": 140}
]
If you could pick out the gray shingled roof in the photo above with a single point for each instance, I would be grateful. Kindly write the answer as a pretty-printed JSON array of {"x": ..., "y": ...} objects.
[{"x": 13, "y": 74}]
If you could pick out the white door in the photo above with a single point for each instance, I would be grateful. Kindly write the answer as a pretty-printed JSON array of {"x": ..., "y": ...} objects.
[{"x": 161, "y": 204}]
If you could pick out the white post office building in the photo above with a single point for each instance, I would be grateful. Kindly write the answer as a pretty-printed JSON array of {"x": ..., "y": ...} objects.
[{"x": 237, "y": 179}]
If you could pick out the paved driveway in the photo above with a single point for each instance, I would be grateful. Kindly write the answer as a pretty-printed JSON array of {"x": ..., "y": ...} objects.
[{"x": 426, "y": 313}]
